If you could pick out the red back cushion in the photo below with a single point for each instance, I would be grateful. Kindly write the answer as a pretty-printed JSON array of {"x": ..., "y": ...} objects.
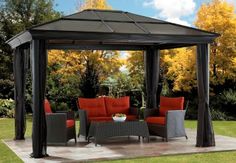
[
  {"x": 95, "y": 107},
  {"x": 168, "y": 103},
  {"x": 47, "y": 107},
  {"x": 117, "y": 105}
]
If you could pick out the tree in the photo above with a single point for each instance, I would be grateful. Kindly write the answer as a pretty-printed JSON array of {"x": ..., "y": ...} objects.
[
  {"x": 65, "y": 62},
  {"x": 94, "y": 4},
  {"x": 180, "y": 64},
  {"x": 219, "y": 16},
  {"x": 71, "y": 62},
  {"x": 135, "y": 65},
  {"x": 180, "y": 68},
  {"x": 89, "y": 83},
  {"x": 16, "y": 16}
]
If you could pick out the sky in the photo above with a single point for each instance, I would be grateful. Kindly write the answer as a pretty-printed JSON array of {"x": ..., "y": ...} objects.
[{"x": 176, "y": 11}]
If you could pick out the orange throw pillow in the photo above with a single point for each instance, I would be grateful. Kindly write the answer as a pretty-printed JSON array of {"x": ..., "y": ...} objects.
[
  {"x": 117, "y": 105},
  {"x": 95, "y": 107}
]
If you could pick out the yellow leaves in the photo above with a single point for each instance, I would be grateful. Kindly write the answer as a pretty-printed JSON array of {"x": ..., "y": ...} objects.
[
  {"x": 69, "y": 62},
  {"x": 215, "y": 15},
  {"x": 219, "y": 16},
  {"x": 95, "y": 4},
  {"x": 181, "y": 65},
  {"x": 135, "y": 65},
  {"x": 73, "y": 62}
]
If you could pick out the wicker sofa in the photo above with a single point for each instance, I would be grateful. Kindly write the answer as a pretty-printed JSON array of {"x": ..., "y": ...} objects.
[{"x": 102, "y": 109}]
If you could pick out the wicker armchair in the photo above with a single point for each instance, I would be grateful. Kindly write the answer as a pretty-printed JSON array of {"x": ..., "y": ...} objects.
[
  {"x": 168, "y": 120},
  {"x": 60, "y": 126}
]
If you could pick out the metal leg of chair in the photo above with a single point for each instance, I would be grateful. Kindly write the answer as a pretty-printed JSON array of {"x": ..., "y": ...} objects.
[{"x": 186, "y": 137}]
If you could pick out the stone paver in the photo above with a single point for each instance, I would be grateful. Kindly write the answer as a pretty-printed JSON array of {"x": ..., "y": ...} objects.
[{"x": 117, "y": 148}]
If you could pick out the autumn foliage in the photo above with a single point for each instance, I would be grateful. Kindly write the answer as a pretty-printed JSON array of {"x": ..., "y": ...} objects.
[{"x": 219, "y": 16}]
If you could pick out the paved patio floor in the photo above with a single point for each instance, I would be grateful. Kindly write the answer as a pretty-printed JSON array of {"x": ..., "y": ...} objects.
[{"x": 119, "y": 148}]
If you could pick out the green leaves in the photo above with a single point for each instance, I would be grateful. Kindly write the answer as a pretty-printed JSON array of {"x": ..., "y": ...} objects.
[
  {"x": 7, "y": 108},
  {"x": 17, "y": 16},
  {"x": 89, "y": 82}
]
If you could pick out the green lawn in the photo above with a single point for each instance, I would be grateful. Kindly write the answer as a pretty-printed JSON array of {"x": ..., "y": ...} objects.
[{"x": 227, "y": 128}]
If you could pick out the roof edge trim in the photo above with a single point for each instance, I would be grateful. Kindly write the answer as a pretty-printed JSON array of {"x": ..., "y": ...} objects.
[{"x": 19, "y": 39}]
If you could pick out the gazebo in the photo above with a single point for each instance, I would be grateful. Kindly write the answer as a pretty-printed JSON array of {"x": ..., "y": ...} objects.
[{"x": 106, "y": 30}]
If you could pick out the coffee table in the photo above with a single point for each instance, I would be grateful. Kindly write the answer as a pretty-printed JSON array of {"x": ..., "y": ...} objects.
[{"x": 103, "y": 130}]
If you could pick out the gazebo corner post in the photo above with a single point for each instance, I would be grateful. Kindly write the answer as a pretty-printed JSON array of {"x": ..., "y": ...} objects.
[
  {"x": 205, "y": 133},
  {"x": 152, "y": 68},
  {"x": 19, "y": 71},
  {"x": 39, "y": 65}
]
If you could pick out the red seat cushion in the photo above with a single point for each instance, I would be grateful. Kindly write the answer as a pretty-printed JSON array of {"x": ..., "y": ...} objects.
[
  {"x": 117, "y": 105},
  {"x": 167, "y": 103},
  {"x": 156, "y": 120},
  {"x": 131, "y": 117},
  {"x": 95, "y": 107},
  {"x": 47, "y": 107},
  {"x": 70, "y": 123}
]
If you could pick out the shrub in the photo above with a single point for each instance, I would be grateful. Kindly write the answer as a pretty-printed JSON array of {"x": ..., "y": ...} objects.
[
  {"x": 229, "y": 97},
  {"x": 61, "y": 90},
  {"x": 62, "y": 106},
  {"x": 228, "y": 101},
  {"x": 7, "y": 108},
  {"x": 220, "y": 116},
  {"x": 191, "y": 112},
  {"x": 216, "y": 114},
  {"x": 6, "y": 88}
]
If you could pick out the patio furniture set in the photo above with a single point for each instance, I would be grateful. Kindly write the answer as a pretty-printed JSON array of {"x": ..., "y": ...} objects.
[{"x": 96, "y": 120}]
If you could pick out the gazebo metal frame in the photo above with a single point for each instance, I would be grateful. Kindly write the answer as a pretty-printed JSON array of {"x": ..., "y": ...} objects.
[{"x": 106, "y": 30}]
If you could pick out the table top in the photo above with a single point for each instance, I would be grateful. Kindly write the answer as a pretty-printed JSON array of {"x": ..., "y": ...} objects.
[{"x": 109, "y": 122}]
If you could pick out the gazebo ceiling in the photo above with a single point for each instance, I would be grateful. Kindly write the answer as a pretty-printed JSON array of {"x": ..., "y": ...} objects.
[{"x": 111, "y": 29}]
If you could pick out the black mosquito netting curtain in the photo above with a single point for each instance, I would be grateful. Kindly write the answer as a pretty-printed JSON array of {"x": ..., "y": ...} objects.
[
  {"x": 20, "y": 66},
  {"x": 39, "y": 65},
  {"x": 205, "y": 133}
]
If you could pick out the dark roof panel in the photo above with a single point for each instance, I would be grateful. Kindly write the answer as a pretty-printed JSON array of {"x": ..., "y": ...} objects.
[
  {"x": 117, "y": 22},
  {"x": 112, "y": 16},
  {"x": 125, "y": 28},
  {"x": 114, "y": 27},
  {"x": 74, "y": 25},
  {"x": 83, "y": 15},
  {"x": 170, "y": 29},
  {"x": 139, "y": 18}
]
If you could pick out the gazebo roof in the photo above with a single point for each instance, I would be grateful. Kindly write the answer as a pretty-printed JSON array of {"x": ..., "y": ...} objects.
[{"x": 112, "y": 29}]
